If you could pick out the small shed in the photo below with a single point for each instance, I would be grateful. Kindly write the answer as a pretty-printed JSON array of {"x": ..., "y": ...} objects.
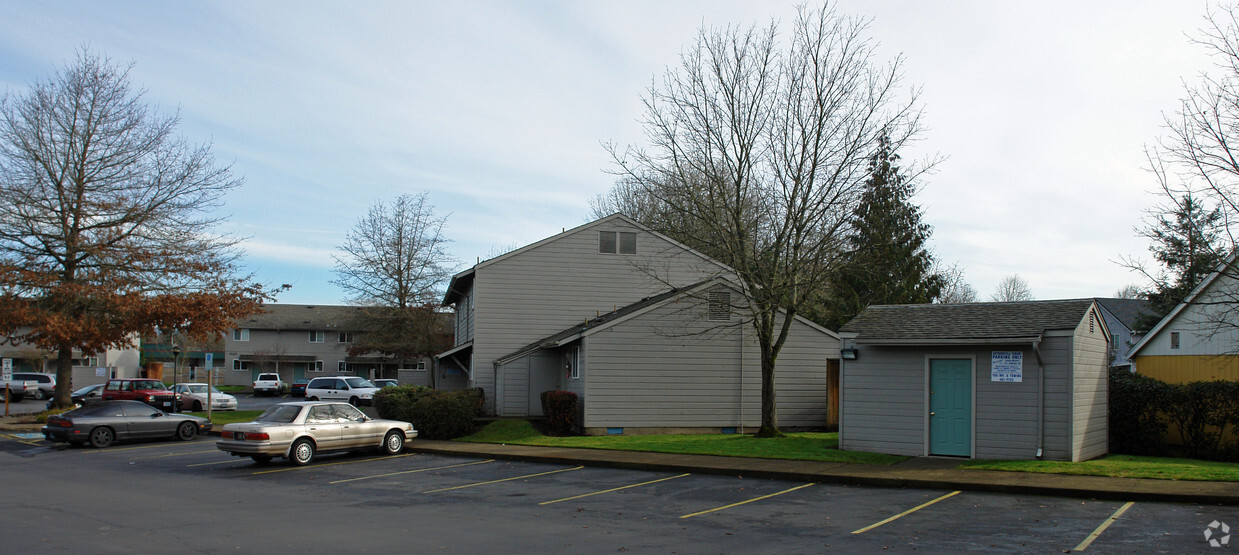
[{"x": 1013, "y": 380}]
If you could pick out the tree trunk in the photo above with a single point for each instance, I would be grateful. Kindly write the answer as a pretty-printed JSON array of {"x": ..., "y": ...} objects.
[
  {"x": 64, "y": 377},
  {"x": 769, "y": 413}
]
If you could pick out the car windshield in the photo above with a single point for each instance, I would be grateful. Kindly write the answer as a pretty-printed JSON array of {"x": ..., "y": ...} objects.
[
  {"x": 86, "y": 390},
  {"x": 150, "y": 384},
  {"x": 282, "y": 414},
  {"x": 200, "y": 388},
  {"x": 358, "y": 382}
]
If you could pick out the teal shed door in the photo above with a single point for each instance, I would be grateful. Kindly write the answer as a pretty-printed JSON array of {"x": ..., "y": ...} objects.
[{"x": 950, "y": 407}]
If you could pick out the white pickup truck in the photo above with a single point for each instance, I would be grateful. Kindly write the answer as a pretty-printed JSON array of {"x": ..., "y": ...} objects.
[
  {"x": 18, "y": 389},
  {"x": 268, "y": 383}
]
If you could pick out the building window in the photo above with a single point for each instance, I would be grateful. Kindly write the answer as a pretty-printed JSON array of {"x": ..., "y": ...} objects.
[
  {"x": 241, "y": 334},
  {"x": 342, "y": 367},
  {"x": 720, "y": 306},
  {"x": 318, "y": 366},
  {"x": 617, "y": 242},
  {"x": 239, "y": 365},
  {"x": 574, "y": 363},
  {"x": 346, "y": 337},
  {"x": 1174, "y": 340},
  {"x": 316, "y": 337}
]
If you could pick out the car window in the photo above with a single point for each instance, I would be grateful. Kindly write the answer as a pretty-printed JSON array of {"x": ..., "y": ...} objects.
[
  {"x": 113, "y": 386},
  {"x": 320, "y": 414},
  {"x": 139, "y": 410},
  {"x": 358, "y": 382},
  {"x": 348, "y": 413},
  {"x": 281, "y": 414},
  {"x": 89, "y": 411},
  {"x": 197, "y": 388}
]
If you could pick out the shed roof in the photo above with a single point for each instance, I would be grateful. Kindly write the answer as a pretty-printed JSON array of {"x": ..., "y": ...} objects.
[
  {"x": 970, "y": 322},
  {"x": 1128, "y": 311}
]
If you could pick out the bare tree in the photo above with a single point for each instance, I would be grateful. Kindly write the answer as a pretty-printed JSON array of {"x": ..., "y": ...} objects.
[
  {"x": 394, "y": 264},
  {"x": 106, "y": 220},
  {"x": 759, "y": 149},
  {"x": 1129, "y": 291},
  {"x": 1012, "y": 288},
  {"x": 955, "y": 289}
]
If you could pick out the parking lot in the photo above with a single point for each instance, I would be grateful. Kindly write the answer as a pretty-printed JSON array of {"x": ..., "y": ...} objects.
[{"x": 190, "y": 496}]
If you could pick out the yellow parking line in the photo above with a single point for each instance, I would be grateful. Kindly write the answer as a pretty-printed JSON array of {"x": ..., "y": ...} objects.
[
  {"x": 905, "y": 513},
  {"x": 117, "y": 449},
  {"x": 332, "y": 464},
  {"x": 1089, "y": 540},
  {"x": 614, "y": 489},
  {"x": 174, "y": 455},
  {"x": 412, "y": 471},
  {"x": 216, "y": 462},
  {"x": 789, "y": 490},
  {"x": 505, "y": 479}
]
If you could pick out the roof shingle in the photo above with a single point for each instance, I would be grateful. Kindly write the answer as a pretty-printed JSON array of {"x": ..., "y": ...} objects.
[{"x": 966, "y": 322}]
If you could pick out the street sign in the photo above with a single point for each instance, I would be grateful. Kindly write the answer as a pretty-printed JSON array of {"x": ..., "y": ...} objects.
[
  {"x": 8, "y": 369},
  {"x": 209, "y": 356}
]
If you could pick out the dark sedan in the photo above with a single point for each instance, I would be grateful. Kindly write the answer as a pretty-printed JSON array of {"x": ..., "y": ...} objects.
[
  {"x": 298, "y": 387},
  {"x": 112, "y": 421},
  {"x": 88, "y": 395}
]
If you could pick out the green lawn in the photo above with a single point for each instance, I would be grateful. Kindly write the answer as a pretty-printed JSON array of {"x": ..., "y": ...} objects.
[
  {"x": 798, "y": 446},
  {"x": 1123, "y": 466},
  {"x": 221, "y": 417}
]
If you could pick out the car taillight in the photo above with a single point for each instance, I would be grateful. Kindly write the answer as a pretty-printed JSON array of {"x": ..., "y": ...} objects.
[
  {"x": 225, "y": 434},
  {"x": 257, "y": 436},
  {"x": 243, "y": 436}
]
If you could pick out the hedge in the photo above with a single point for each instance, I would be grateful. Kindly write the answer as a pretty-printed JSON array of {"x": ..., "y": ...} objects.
[
  {"x": 560, "y": 408},
  {"x": 1205, "y": 413},
  {"x": 436, "y": 414}
]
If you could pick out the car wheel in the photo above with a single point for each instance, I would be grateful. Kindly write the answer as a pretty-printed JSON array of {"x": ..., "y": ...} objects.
[
  {"x": 302, "y": 453},
  {"x": 186, "y": 431},
  {"x": 261, "y": 458},
  {"x": 38, "y": 395},
  {"x": 101, "y": 437},
  {"x": 314, "y": 398},
  {"x": 197, "y": 406},
  {"x": 353, "y": 401},
  {"x": 393, "y": 443}
]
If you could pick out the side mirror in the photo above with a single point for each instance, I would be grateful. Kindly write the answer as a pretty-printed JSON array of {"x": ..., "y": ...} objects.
[{"x": 157, "y": 414}]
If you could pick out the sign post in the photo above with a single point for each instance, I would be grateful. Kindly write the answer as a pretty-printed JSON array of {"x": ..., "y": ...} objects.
[
  {"x": 7, "y": 376},
  {"x": 210, "y": 382}
]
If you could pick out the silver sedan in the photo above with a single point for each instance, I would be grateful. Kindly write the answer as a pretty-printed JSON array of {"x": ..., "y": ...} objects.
[
  {"x": 300, "y": 430},
  {"x": 194, "y": 397}
]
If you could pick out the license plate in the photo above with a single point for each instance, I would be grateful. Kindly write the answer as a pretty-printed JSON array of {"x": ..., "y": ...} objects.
[{"x": 239, "y": 436}]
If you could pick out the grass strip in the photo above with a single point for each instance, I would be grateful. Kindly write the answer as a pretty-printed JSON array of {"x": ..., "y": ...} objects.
[
  {"x": 1123, "y": 466},
  {"x": 807, "y": 446}
]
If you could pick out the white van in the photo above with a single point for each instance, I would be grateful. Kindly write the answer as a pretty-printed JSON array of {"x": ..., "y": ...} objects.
[{"x": 355, "y": 390}]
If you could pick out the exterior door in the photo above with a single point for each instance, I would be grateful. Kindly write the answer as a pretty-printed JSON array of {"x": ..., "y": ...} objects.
[
  {"x": 543, "y": 376},
  {"x": 950, "y": 407}
]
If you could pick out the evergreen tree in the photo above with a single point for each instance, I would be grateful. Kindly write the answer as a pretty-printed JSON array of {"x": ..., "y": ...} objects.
[
  {"x": 1187, "y": 243},
  {"x": 888, "y": 261}
]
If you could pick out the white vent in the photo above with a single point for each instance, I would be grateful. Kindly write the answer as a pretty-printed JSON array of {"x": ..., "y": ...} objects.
[{"x": 720, "y": 306}]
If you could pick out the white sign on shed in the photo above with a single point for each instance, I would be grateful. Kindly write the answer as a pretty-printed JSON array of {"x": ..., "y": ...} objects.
[{"x": 1006, "y": 366}]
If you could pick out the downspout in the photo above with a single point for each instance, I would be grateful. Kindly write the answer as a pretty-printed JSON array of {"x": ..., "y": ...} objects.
[
  {"x": 1036, "y": 348},
  {"x": 741, "y": 379}
]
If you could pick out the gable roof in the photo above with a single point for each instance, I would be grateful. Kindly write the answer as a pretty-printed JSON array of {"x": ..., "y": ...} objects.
[
  {"x": 1127, "y": 311},
  {"x": 1009, "y": 322},
  {"x": 300, "y": 317},
  {"x": 624, "y": 313},
  {"x": 1204, "y": 285},
  {"x": 460, "y": 282}
]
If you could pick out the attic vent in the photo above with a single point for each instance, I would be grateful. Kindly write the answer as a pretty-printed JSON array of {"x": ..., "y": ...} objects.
[
  {"x": 720, "y": 306},
  {"x": 1092, "y": 317}
]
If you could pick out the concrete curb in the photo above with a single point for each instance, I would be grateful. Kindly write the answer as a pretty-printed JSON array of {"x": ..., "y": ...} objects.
[{"x": 944, "y": 477}]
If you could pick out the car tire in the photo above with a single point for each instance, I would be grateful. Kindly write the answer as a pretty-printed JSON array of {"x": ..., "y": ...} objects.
[
  {"x": 186, "y": 431},
  {"x": 302, "y": 452},
  {"x": 102, "y": 437},
  {"x": 393, "y": 443},
  {"x": 38, "y": 395},
  {"x": 314, "y": 398},
  {"x": 354, "y": 401},
  {"x": 261, "y": 458},
  {"x": 197, "y": 406}
]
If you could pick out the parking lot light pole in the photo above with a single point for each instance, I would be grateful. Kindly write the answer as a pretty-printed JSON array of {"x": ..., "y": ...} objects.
[{"x": 176, "y": 369}]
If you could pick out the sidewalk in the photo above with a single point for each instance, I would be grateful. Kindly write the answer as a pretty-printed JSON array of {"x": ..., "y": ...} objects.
[{"x": 921, "y": 472}]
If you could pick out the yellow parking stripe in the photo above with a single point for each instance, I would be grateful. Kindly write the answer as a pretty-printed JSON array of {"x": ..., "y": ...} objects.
[
  {"x": 614, "y": 489},
  {"x": 332, "y": 464},
  {"x": 412, "y": 471},
  {"x": 505, "y": 479},
  {"x": 174, "y": 455},
  {"x": 118, "y": 449},
  {"x": 1089, "y": 540},
  {"x": 789, "y": 490},
  {"x": 216, "y": 462},
  {"x": 905, "y": 513}
]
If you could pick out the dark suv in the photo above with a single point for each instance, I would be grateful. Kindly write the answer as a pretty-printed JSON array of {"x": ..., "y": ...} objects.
[{"x": 152, "y": 392}]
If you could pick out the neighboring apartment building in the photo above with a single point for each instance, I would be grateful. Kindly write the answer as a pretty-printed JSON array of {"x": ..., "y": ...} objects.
[
  {"x": 633, "y": 322},
  {"x": 1121, "y": 316},
  {"x": 1199, "y": 339},
  {"x": 304, "y": 341},
  {"x": 88, "y": 368}
]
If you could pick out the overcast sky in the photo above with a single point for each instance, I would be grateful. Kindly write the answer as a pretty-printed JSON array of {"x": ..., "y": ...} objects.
[{"x": 499, "y": 109}]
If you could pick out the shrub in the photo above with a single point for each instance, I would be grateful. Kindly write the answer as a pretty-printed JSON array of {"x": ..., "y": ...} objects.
[
  {"x": 560, "y": 408},
  {"x": 1203, "y": 411},
  {"x": 1135, "y": 408},
  {"x": 436, "y": 414}
]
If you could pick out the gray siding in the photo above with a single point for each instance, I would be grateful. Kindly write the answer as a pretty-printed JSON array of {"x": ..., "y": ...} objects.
[
  {"x": 883, "y": 401},
  {"x": 671, "y": 368},
  {"x": 562, "y": 282},
  {"x": 278, "y": 347},
  {"x": 1090, "y": 387},
  {"x": 464, "y": 318},
  {"x": 514, "y": 390}
]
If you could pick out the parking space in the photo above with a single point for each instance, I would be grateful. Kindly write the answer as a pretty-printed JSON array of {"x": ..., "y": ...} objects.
[{"x": 610, "y": 508}]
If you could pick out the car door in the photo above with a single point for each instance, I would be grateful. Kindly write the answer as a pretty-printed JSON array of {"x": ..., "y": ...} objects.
[
  {"x": 357, "y": 431},
  {"x": 146, "y": 422},
  {"x": 322, "y": 424}
]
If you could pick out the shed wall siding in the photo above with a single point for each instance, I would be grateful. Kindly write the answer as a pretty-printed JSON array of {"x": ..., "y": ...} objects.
[
  {"x": 556, "y": 285},
  {"x": 671, "y": 368},
  {"x": 1089, "y": 432},
  {"x": 883, "y": 401}
]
